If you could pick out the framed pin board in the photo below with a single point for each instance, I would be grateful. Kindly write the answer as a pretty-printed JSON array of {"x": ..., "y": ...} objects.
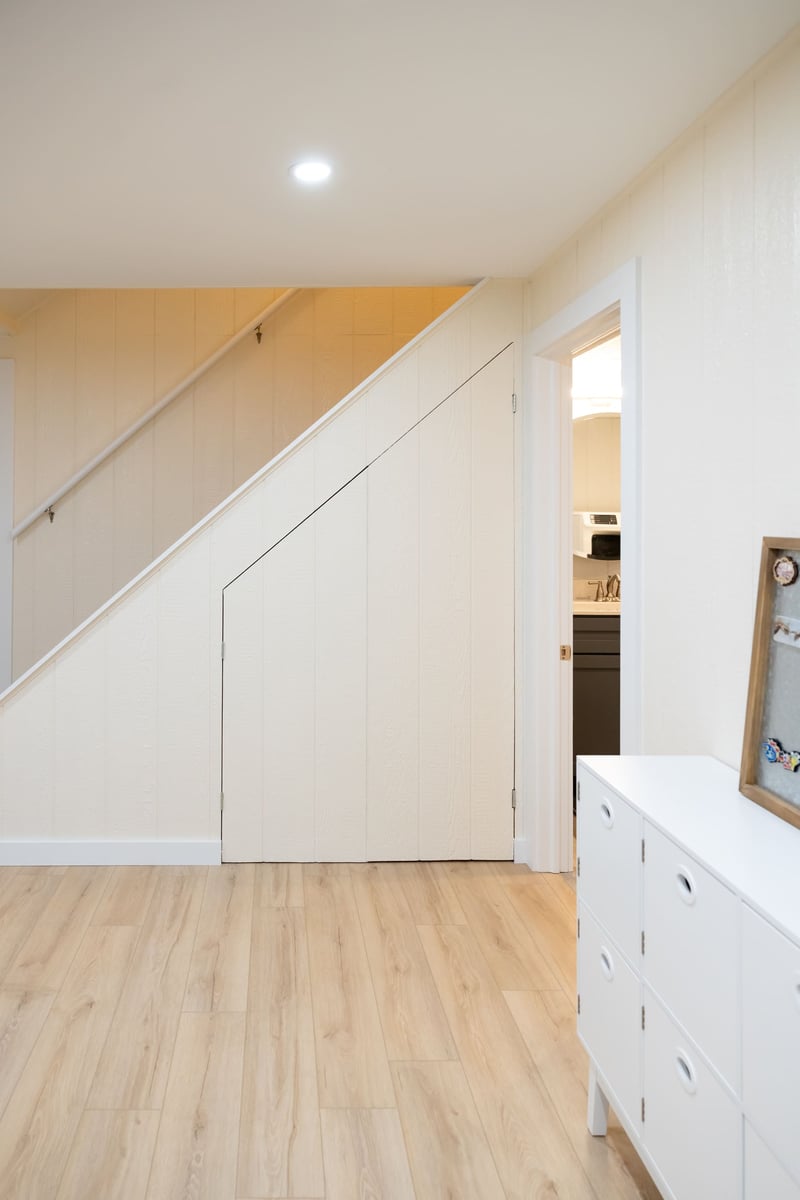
[{"x": 770, "y": 771}]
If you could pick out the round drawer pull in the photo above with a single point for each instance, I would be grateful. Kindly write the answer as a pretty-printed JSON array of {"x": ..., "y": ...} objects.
[
  {"x": 687, "y": 888},
  {"x": 685, "y": 1072},
  {"x": 606, "y": 814},
  {"x": 606, "y": 964}
]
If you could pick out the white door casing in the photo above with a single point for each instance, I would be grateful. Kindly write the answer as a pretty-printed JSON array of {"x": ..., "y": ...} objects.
[{"x": 368, "y": 705}]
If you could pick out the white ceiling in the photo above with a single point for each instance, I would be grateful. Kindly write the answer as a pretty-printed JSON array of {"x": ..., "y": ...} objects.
[{"x": 146, "y": 142}]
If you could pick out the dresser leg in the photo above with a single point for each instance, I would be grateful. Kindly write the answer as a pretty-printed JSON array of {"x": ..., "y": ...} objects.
[{"x": 597, "y": 1112}]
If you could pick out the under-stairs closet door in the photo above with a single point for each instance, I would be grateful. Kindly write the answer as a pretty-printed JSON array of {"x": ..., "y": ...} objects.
[{"x": 368, "y": 694}]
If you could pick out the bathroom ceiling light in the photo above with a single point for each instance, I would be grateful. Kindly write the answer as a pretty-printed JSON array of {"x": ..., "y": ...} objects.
[{"x": 310, "y": 172}]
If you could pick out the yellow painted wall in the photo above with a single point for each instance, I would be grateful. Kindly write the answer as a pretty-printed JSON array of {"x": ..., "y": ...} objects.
[{"x": 88, "y": 363}]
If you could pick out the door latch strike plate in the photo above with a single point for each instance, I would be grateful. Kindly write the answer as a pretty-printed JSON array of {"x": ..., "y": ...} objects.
[{"x": 566, "y": 653}]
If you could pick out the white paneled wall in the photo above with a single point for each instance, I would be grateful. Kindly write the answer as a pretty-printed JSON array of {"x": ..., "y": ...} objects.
[
  {"x": 89, "y": 363},
  {"x": 110, "y": 748},
  {"x": 369, "y": 658},
  {"x": 714, "y": 222}
]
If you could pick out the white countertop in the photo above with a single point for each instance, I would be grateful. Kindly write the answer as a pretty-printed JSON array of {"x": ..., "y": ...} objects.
[{"x": 596, "y": 608}]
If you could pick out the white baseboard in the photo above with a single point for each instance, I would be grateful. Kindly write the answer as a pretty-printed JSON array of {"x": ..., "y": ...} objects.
[
  {"x": 522, "y": 850},
  {"x": 110, "y": 854}
]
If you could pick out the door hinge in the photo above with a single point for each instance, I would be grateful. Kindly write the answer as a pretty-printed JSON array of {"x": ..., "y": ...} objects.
[
  {"x": 642, "y": 941},
  {"x": 642, "y": 1109},
  {"x": 513, "y": 797},
  {"x": 578, "y": 867},
  {"x": 221, "y": 801},
  {"x": 642, "y": 1016},
  {"x": 513, "y": 401},
  {"x": 222, "y": 651},
  {"x": 579, "y": 1004},
  {"x": 642, "y": 849}
]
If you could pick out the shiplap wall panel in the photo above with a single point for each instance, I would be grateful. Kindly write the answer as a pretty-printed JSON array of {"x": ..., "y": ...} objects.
[
  {"x": 143, "y": 755},
  {"x": 30, "y": 760},
  {"x": 340, "y": 451},
  {"x": 444, "y": 364},
  {"x": 492, "y": 609},
  {"x": 243, "y": 757},
  {"x": 393, "y": 653},
  {"x": 289, "y": 664},
  {"x": 713, "y": 223},
  {"x": 182, "y": 690},
  {"x": 392, "y": 405},
  {"x": 445, "y": 586},
  {"x": 132, "y": 715},
  {"x": 80, "y": 709},
  {"x": 93, "y": 542},
  {"x": 127, "y": 350},
  {"x": 340, "y": 632}
]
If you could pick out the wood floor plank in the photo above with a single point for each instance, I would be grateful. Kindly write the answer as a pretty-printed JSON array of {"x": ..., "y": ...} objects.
[
  {"x": 135, "y": 1062},
  {"x": 220, "y": 962},
  {"x": 23, "y": 897},
  {"x": 546, "y": 1021},
  {"x": 429, "y": 893},
  {"x": 531, "y": 1150},
  {"x": 22, "y": 1015},
  {"x": 446, "y": 1143},
  {"x": 352, "y": 1066},
  {"x": 45, "y": 956},
  {"x": 280, "y": 1151},
  {"x": 500, "y": 932},
  {"x": 413, "y": 1021},
  {"x": 127, "y": 896},
  {"x": 110, "y": 1156},
  {"x": 195, "y": 1154},
  {"x": 550, "y": 926},
  {"x": 39, "y": 1123},
  {"x": 279, "y": 885},
  {"x": 365, "y": 1155}
]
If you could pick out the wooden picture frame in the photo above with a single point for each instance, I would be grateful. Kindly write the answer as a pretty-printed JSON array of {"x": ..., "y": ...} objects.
[{"x": 771, "y": 740}]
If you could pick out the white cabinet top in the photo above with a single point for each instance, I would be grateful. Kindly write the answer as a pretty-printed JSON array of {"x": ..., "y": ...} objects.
[{"x": 696, "y": 802}]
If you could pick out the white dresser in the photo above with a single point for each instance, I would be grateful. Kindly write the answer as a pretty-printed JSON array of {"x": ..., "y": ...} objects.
[{"x": 689, "y": 974}]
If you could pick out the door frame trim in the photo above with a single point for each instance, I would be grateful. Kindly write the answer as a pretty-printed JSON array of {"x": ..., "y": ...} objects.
[{"x": 544, "y": 745}]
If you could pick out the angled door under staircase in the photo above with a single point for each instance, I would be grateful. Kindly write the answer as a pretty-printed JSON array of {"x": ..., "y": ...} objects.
[{"x": 368, "y": 679}]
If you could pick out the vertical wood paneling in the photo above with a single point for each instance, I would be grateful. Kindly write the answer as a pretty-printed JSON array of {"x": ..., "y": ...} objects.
[
  {"x": 25, "y": 419},
  {"x": 29, "y": 763},
  {"x": 288, "y": 699},
  {"x": 131, "y": 728},
  {"x": 443, "y": 362},
  {"x": 133, "y": 507},
  {"x": 53, "y": 599},
  {"x": 134, "y": 363},
  {"x": 94, "y": 373},
  {"x": 55, "y": 391},
  {"x": 392, "y": 405},
  {"x": 93, "y": 542},
  {"x": 173, "y": 472},
  {"x": 80, "y": 772},
  {"x": 24, "y": 585},
  {"x": 174, "y": 337},
  {"x": 183, "y": 699},
  {"x": 340, "y": 451},
  {"x": 243, "y": 718},
  {"x": 252, "y": 412},
  {"x": 393, "y": 653},
  {"x": 213, "y": 440},
  {"x": 492, "y": 612},
  {"x": 292, "y": 410},
  {"x": 341, "y": 675},
  {"x": 445, "y": 583},
  {"x": 214, "y": 317}
]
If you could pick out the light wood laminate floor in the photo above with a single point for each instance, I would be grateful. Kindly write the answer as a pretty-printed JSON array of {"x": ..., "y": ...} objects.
[{"x": 384, "y": 1031}]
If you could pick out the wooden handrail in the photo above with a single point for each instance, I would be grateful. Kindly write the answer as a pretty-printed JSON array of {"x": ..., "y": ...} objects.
[{"x": 159, "y": 406}]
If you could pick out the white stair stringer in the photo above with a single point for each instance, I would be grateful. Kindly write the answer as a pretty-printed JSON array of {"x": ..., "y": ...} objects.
[{"x": 110, "y": 746}]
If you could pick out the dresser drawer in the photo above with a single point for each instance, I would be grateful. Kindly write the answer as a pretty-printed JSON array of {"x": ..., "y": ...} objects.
[
  {"x": 610, "y": 852},
  {"x": 692, "y": 1126},
  {"x": 691, "y": 925},
  {"x": 771, "y": 1035},
  {"x": 764, "y": 1177},
  {"x": 609, "y": 1021}
]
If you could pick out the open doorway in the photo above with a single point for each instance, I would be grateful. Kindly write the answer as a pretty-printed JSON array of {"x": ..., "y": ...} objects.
[
  {"x": 546, "y": 596},
  {"x": 596, "y": 394}
]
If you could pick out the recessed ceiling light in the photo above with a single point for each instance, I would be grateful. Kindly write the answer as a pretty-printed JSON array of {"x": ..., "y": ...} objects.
[{"x": 310, "y": 172}]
